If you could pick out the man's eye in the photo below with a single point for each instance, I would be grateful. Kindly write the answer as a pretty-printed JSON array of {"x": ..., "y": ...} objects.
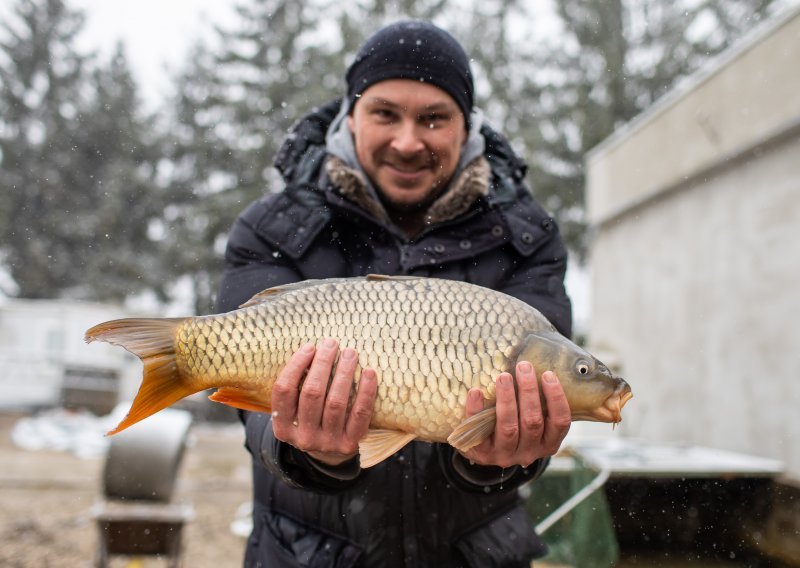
[
  {"x": 435, "y": 120},
  {"x": 383, "y": 114}
]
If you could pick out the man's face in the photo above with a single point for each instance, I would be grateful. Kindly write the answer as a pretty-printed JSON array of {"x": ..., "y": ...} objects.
[{"x": 408, "y": 137}]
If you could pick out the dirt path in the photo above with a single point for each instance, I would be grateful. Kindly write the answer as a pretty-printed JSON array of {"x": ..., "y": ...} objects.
[{"x": 45, "y": 498}]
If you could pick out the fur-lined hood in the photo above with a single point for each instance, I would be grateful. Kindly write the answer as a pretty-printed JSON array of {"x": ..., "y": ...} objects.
[{"x": 458, "y": 197}]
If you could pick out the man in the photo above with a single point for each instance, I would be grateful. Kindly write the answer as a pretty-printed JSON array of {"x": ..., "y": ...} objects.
[{"x": 400, "y": 177}]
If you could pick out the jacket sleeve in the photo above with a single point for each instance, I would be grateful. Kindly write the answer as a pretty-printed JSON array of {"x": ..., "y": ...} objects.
[
  {"x": 538, "y": 279},
  {"x": 474, "y": 478},
  {"x": 252, "y": 265},
  {"x": 293, "y": 467}
]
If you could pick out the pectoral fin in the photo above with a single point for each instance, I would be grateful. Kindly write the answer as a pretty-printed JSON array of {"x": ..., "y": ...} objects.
[
  {"x": 241, "y": 398},
  {"x": 473, "y": 430},
  {"x": 378, "y": 445}
]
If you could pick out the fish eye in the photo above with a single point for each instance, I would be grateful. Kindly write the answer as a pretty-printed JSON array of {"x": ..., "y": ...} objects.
[{"x": 583, "y": 368}]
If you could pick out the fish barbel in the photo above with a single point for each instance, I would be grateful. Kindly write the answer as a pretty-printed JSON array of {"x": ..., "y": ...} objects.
[{"x": 429, "y": 341}]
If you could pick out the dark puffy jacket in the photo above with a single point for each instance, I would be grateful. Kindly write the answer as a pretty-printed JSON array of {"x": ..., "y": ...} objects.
[{"x": 426, "y": 505}]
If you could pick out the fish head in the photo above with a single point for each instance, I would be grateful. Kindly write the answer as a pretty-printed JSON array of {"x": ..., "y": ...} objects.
[{"x": 594, "y": 393}]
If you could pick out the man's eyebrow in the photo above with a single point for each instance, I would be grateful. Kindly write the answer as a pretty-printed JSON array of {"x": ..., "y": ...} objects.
[
  {"x": 381, "y": 101},
  {"x": 439, "y": 106}
]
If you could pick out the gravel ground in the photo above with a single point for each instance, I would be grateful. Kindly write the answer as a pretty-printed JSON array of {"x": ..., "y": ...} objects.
[{"x": 46, "y": 497}]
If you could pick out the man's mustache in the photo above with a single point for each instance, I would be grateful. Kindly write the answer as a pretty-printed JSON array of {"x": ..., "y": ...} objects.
[{"x": 418, "y": 161}]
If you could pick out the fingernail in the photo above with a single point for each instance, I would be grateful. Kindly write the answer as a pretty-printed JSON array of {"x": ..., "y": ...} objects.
[
  {"x": 348, "y": 353},
  {"x": 504, "y": 379},
  {"x": 550, "y": 377},
  {"x": 525, "y": 367},
  {"x": 329, "y": 343},
  {"x": 307, "y": 348},
  {"x": 368, "y": 374}
]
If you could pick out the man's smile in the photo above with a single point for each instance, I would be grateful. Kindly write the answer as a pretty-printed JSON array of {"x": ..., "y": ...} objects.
[
  {"x": 408, "y": 173},
  {"x": 406, "y": 168}
]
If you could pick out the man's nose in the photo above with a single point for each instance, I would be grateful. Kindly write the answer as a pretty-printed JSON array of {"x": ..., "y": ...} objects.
[{"x": 406, "y": 138}]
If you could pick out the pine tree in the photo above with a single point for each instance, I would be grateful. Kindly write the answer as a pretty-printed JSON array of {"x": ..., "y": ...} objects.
[
  {"x": 77, "y": 178},
  {"x": 39, "y": 102},
  {"x": 614, "y": 60},
  {"x": 235, "y": 105},
  {"x": 121, "y": 148}
]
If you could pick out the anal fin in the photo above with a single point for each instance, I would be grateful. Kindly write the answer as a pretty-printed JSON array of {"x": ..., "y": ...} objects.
[
  {"x": 473, "y": 430},
  {"x": 378, "y": 445},
  {"x": 244, "y": 399}
]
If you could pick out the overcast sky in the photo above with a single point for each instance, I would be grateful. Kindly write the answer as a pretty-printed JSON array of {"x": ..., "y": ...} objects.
[{"x": 157, "y": 34}]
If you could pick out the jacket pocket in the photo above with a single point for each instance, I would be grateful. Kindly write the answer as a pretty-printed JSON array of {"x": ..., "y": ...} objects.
[
  {"x": 280, "y": 541},
  {"x": 507, "y": 541}
]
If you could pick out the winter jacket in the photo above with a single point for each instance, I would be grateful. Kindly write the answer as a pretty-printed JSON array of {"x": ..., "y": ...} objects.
[{"x": 426, "y": 505}]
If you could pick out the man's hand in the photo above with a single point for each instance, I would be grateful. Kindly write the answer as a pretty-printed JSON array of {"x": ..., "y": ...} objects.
[
  {"x": 523, "y": 433},
  {"x": 314, "y": 417}
]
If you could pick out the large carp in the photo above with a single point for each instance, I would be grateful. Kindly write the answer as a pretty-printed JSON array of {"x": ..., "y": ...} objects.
[{"x": 429, "y": 341}]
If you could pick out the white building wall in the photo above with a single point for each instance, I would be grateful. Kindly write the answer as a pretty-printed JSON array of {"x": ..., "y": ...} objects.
[
  {"x": 696, "y": 275},
  {"x": 40, "y": 338}
]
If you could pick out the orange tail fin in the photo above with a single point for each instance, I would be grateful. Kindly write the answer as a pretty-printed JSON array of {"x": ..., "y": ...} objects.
[{"x": 153, "y": 341}]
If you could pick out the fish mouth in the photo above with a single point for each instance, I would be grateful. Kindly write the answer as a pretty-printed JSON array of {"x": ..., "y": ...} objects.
[
  {"x": 619, "y": 400},
  {"x": 611, "y": 409}
]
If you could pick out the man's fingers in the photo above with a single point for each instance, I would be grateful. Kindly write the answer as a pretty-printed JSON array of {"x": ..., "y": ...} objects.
[
  {"x": 285, "y": 391},
  {"x": 506, "y": 435},
  {"x": 363, "y": 405},
  {"x": 531, "y": 419},
  {"x": 335, "y": 410},
  {"x": 531, "y": 416},
  {"x": 475, "y": 402},
  {"x": 559, "y": 416},
  {"x": 315, "y": 386}
]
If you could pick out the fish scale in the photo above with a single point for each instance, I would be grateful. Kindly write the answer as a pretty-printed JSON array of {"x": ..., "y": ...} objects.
[{"x": 429, "y": 341}]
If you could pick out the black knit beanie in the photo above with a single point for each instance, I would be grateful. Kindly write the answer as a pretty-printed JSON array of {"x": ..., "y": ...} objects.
[{"x": 413, "y": 50}]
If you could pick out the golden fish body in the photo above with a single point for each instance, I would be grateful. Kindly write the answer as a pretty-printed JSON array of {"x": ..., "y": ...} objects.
[{"x": 429, "y": 340}]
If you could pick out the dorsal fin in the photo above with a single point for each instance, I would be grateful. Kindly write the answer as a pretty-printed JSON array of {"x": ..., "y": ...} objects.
[
  {"x": 380, "y": 277},
  {"x": 267, "y": 294},
  {"x": 284, "y": 288}
]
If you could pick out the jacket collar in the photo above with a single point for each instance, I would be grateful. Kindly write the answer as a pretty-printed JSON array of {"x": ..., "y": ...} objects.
[{"x": 471, "y": 184}]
